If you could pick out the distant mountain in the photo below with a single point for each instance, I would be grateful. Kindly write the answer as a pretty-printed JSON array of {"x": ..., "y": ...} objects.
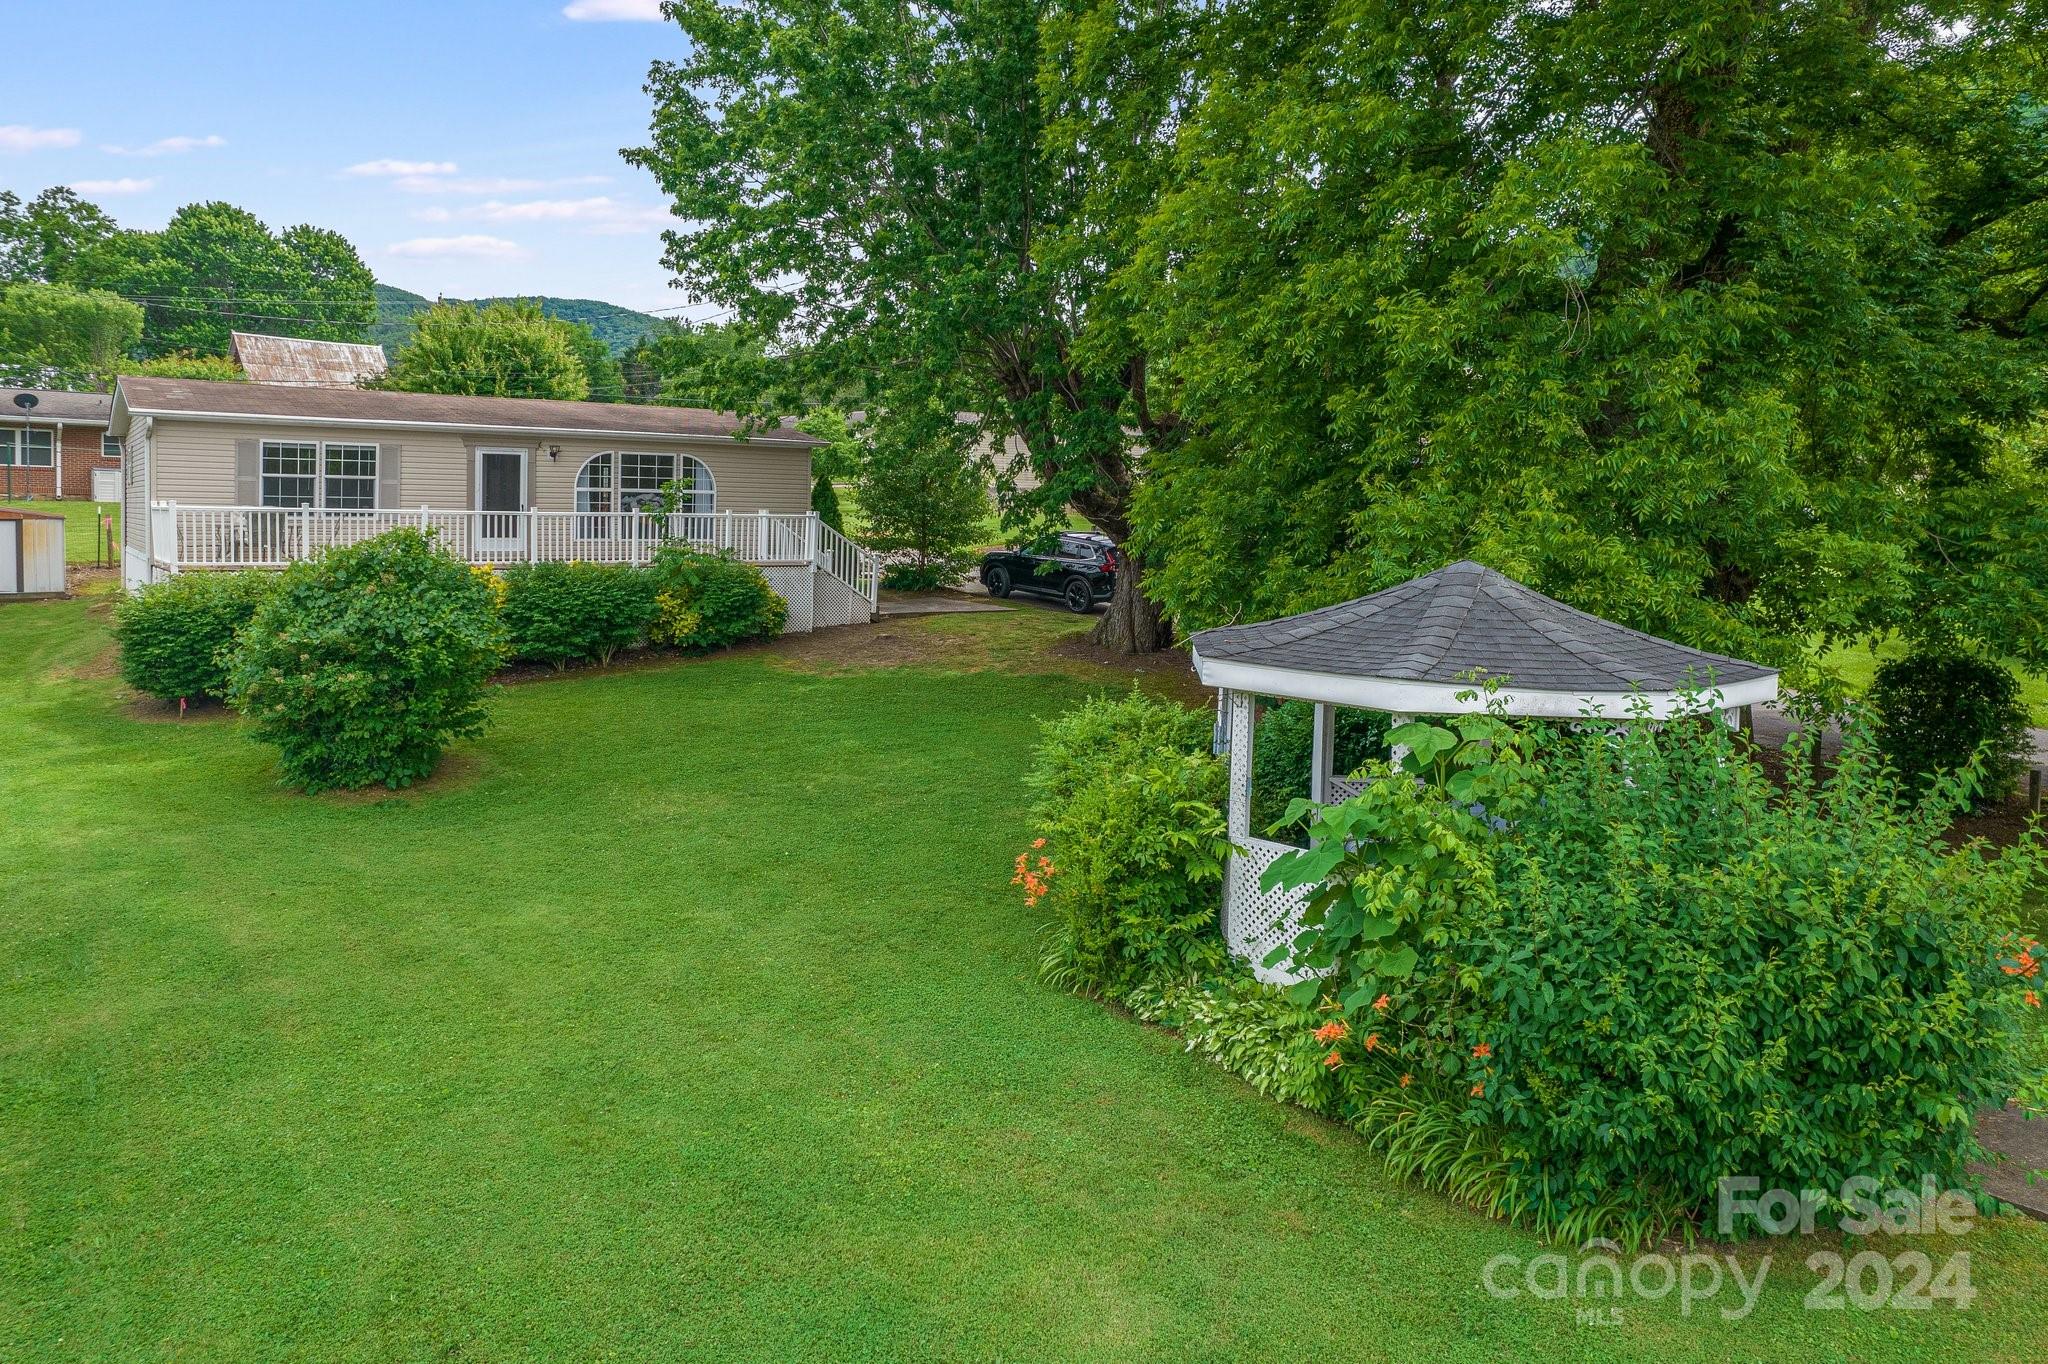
[{"x": 617, "y": 327}]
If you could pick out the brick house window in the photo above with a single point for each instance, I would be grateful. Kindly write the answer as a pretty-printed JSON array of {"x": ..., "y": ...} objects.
[
  {"x": 38, "y": 454},
  {"x": 110, "y": 448}
]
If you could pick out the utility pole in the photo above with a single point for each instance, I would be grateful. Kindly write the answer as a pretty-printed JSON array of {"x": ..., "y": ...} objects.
[{"x": 27, "y": 403}]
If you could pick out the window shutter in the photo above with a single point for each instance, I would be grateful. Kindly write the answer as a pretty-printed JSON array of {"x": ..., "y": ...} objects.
[
  {"x": 387, "y": 475},
  {"x": 248, "y": 474}
]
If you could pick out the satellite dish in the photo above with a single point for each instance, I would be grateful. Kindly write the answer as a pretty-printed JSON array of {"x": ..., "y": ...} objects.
[{"x": 25, "y": 401}]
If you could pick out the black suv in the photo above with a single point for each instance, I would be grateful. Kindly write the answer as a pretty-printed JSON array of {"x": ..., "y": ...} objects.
[{"x": 1078, "y": 567}]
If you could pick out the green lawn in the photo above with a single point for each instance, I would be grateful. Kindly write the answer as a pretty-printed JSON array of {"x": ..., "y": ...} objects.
[
  {"x": 78, "y": 526},
  {"x": 688, "y": 1014}
]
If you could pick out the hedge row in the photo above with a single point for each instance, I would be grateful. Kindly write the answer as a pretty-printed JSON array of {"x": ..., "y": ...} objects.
[{"x": 363, "y": 663}]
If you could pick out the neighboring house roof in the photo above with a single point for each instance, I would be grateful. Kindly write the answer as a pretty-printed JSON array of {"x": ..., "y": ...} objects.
[
  {"x": 303, "y": 362},
  {"x": 55, "y": 405},
  {"x": 229, "y": 401},
  {"x": 1440, "y": 627}
]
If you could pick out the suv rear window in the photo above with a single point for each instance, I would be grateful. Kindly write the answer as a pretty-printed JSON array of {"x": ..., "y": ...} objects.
[{"x": 1071, "y": 548}]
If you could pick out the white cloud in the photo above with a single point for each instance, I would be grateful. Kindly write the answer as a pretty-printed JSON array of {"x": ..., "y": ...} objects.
[
  {"x": 598, "y": 214},
  {"x": 19, "y": 137},
  {"x": 605, "y": 11},
  {"x": 127, "y": 184},
  {"x": 386, "y": 166},
  {"x": 170, "y": 146},
  {"x": 488, "y": 184},
  {"x": 473, "y": 246}
]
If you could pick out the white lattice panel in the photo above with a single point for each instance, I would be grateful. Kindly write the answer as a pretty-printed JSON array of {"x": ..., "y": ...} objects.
[
  {"x": 794, "y": 583},
  {"x": 1257, "y": 921},
  {"x": 838, "y": 604},
  {"x": 1344, "y": 788}
]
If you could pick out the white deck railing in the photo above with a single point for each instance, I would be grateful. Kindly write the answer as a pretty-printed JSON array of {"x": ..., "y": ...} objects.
[{"x": 185, "y": 537}]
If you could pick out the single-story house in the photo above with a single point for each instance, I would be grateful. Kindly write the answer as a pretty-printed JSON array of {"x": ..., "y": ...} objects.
[
  {"x": 54, "y": 449},
  {"x": 233, "y": 475}
]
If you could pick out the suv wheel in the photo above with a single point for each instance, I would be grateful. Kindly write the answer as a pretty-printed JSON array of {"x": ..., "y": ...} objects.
[
  {"x": 997, "y": 581},
  {"x": 1079, "y": 596}
]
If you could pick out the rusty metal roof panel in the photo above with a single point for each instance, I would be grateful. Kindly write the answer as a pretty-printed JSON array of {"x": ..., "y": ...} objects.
[{"x": 301, "y": 362}]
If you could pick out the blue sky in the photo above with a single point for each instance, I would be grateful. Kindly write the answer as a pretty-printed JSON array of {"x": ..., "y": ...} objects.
[{"x": 465, "y": 148}]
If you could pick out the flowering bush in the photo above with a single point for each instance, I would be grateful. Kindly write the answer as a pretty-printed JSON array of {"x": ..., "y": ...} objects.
[
  {"x": 1130, "y": 851},
  {"x": 366, "y": 661},
  {"x": 708, "y": 601},
  {"x": 1644, "y": 968},
  {"x": 176, "y": 635}
]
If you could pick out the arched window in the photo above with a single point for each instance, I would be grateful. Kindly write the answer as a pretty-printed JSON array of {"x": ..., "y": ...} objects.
[{"x": 624, "y": 480}]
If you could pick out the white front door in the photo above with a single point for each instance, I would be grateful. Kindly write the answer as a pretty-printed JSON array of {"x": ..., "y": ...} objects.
[{"x": 501, "y": 499}]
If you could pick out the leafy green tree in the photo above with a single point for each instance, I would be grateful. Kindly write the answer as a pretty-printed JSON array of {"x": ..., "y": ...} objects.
[
  {"x": 838, "y": 458},
  {"x": 41, "y": 239},
  {"x": 185, "y": 365},
  {"x": 600, "y": 367},
  {"x": 506, "y": 350},
  {"x": 878, "y": 193},
  {"x": 1724, "y": 320},
  {"x": 51, "y": 333},
  {"x": 922, "y": 501},
  {"x": 216, "y": 268}
]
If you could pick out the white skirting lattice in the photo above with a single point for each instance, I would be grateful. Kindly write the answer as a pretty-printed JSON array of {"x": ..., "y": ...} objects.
[{"x": 1257, "y": 921}]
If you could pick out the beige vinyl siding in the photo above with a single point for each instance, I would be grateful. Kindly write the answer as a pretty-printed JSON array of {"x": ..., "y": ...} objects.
[
  {"x": 194, "y": 463},
  {"x": 135, "y": 488}
]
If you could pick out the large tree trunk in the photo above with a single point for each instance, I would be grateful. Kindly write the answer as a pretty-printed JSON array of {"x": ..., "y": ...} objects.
[{"x": 1134, "y": 623}]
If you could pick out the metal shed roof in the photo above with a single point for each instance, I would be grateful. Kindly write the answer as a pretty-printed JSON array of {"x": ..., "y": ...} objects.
[
  {"x": 305, "y": 362},
  {"x": 1411, "y": 646}
]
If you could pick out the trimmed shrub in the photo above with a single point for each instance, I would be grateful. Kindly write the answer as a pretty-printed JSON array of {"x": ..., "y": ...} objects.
[
  {"x": 367, "y": 661},
  {"x": 563, "y": 613},
  {"x": 1645, "y": 968},
  {"x": 1932, "y": 710},
  {"x": 1130, "y": 846},
  {"x": 176, "y": 635},
  {"x": 709, "y": 601}
]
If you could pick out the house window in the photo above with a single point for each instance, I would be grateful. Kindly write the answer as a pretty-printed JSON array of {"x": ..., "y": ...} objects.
[
  {"x": 37, "y": 454},
  {"x": 629, "y": 481},
  {"x": 302, "y": 474},
  {"x": 290, "y": 473},
  {"x": 110, "y": 448},
  {"x": 351, "y": 477}
]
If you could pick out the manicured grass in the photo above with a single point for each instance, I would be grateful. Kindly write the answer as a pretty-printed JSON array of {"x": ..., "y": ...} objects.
[
  {"x": 688, "y": 1014},
  {"x": 78, "y": 525}
]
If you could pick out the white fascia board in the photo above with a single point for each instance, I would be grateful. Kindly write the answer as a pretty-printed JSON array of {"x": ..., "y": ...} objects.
[
  {"x": 268, "y": 419},
  {"x": 1441, "y": 698}
]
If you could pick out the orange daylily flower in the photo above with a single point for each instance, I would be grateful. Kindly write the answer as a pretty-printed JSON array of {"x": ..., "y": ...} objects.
[
  {"x": 1037, "y": 842},
  {"x": 1405, "y": 1079},
  {"x": 1478, "y": 1090},
  {"x": 1333, "y": 1060},
  {"x": 1333, "y": 1031},
  {"x": 1483, "y": 1049},
  {"x": 1381, "y": 1003},
  {"x": 2033, "y": 1000},
  {"x": 1372, "y": 1041}
]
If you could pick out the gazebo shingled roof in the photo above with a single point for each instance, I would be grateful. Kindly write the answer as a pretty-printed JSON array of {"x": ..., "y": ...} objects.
[
  {"x": 1418, "y": 643},
  {"x": 1413, "y": 650}
]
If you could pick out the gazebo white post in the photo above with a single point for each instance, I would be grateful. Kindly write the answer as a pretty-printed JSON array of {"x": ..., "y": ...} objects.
[
  {"x": 1237, "y": 715},
  {"x": 1323, "y": 753},
  {"x": 1396, "y": 719}
]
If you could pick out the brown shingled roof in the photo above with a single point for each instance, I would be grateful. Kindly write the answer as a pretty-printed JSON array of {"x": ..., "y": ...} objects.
[
  {"x": 57, "y": 405},
  {"x": 377, "y": 407}
]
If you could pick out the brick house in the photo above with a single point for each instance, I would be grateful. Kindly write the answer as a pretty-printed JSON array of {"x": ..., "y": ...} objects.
[{"x": 54, "y": 452}]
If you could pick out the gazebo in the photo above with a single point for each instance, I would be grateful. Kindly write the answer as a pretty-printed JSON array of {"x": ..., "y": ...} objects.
[{"x": 1413, "y": 650}]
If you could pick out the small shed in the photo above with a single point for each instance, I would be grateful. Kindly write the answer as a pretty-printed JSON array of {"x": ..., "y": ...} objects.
[
  {"x": 31, "y": 554},
  {"x": 1413, "y": 650}
]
